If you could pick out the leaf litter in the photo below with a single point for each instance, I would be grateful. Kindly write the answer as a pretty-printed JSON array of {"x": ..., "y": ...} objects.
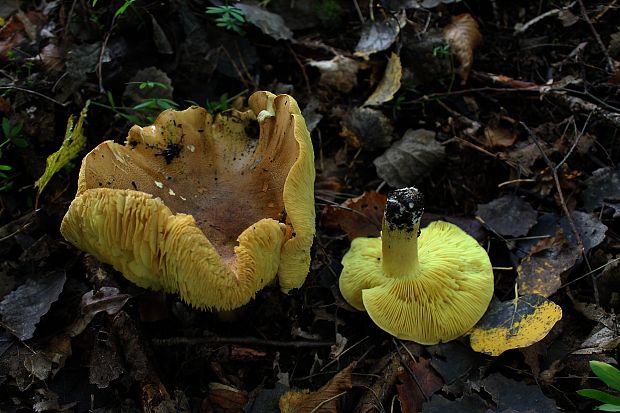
[{"x": 366, "y": 75}]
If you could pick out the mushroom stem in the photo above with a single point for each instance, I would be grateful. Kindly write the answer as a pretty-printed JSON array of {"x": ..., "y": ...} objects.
[{"x": 400, "y": 230}]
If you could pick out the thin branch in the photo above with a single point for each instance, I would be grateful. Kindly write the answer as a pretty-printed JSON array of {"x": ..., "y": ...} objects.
[
  {"x": 584, "y": 14},
  {"x": 252, "y": 341},
  {"x": 32, "y": 92}
]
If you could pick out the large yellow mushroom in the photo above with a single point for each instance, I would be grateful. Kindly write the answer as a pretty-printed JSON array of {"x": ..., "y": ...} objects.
[
  {"x": 429, "y": 289},
  {"x": 211, "y": 208}
]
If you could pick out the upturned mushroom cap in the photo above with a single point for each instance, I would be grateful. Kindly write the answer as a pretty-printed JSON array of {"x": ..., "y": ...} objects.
[
  {"x": 212, "y": 208},
  {"x": 433, "y": 289}
]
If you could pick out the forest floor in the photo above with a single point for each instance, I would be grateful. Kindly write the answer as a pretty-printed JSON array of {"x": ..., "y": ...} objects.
[{"x": 506, "y": 115}]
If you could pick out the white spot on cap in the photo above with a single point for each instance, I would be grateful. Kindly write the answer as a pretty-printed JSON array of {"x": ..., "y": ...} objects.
[
  {"x": 191, "y": 148},
  {"x": 183, "y": 198},
  {"x": 171, "y": 192},
  {"x": 159, "y": 184}
]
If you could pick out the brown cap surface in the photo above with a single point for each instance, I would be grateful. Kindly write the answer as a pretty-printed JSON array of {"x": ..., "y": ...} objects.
[{"x": 206, "y": 207}]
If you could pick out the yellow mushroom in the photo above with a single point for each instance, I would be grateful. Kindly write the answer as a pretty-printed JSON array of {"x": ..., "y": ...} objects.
[
  {"x": 211, "y": 208},
  {"x": 429, "y": 289}
]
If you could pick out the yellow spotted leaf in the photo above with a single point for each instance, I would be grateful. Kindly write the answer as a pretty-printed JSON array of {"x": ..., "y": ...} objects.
[
  {"x": 389, "y": 84},
  {"x": 71, "y": 146},
  {"x": 514, "y": 324}
]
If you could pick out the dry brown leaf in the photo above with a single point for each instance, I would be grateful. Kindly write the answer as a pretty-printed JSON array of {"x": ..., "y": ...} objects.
[
  {"x": 498, "y": 137},
  {"x": 227, "y": 398},
  {"x": 358, "y": 217},
  {"x": 463, "y": 36},
  {"x": 324, "y": 400},
  {"x": 389, "y": 84},
  {"x": 417, "y": 389}
]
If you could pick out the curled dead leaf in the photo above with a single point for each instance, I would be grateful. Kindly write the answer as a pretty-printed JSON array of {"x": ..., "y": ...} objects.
[
  {"x": 389, "y": 84},
  {"x": 463, "y": 36},
  {"x": 324, "y": 400}
]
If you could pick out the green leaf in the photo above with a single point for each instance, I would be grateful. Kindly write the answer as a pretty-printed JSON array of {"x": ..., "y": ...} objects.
[
  {"x": 214, "y": 10},
  {"x": 123, "y": 8},
  {"x": 608, "y": 373},
  {"x": 601, "y": 396},
  {"x": 15, "y": 130},
  {"x": 5, "y": 168},
  {"x": 71, "y": 146},
  {"x": 20, "y": 142},
  {"x": 608, "y": 408},
  {"x": 6, "y": 127}
]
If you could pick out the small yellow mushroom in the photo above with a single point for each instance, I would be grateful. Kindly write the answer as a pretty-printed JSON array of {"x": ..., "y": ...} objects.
[{"x": 429, "y": 289}]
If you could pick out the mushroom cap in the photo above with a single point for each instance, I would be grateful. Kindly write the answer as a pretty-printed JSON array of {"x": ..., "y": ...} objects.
[
  {"x": 212, "y": 208},
  {"x": 446, "y": 295}
]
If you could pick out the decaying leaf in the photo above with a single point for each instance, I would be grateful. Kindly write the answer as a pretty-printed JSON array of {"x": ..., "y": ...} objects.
[
  {"x": 379, "y": 35},
  {"x": 463, "y": 36},
  {"x": 71, "y": 146},
  {"x": 465, "y": 404},
  {"x": 357, "y": 217},
  {"x": 340, "y": 72},
  {"x": 18, "y": 28},
  {"x": 413, "y": 391},
  {"x": 602, "y": 187},
  {"x": 614, "y": 45},
  {"x": 517, "y": 396},
  {"x": 600, "y": 339},
  {"x": 22, "y": 309},
  {"x": 591, "y": 230},
  {"x": 389, "y": 84},
  {"x": 105, "y": 361},
  {"x": 367, "y": 128},
  {"x": 410, "y": 158},
  {"x": 324, "y": 400},
  {"x": 514, "y": 324},
  {"x": 508, "y": 215},
  {"x": 453, "y": 360},
  {"x": 498, "y": 137},
  {"x": 540, "y": 271},
  {"x": 270, "y": 23},
  {"x": 227, "y": 398}
]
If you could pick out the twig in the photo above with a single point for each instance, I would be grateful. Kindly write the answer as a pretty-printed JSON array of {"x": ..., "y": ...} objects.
[
  {"x": 584, "y": 14},
  {"x": 194, "y": 341},
  {"x": 554, "y": 171},
  {"x": 359, "y": 11},
  {"x": 301, "y": 67},
  {"x": 32, "y": 92},
  {"x": 101, "y": 53}
]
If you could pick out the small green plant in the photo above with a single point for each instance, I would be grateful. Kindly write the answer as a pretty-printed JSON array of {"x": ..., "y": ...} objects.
[
  {"x": 611, "y": 377},
  {"x": 120, "y": 10},
  {"x": 219, "y": 105},
  {"x": 441, "y": 51},
  {"x": 142, "y": 113},
  {"x": 230, "y": 17},
  {"x": 10, "y": 135},
  {"x": 328, "y": 11}
]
